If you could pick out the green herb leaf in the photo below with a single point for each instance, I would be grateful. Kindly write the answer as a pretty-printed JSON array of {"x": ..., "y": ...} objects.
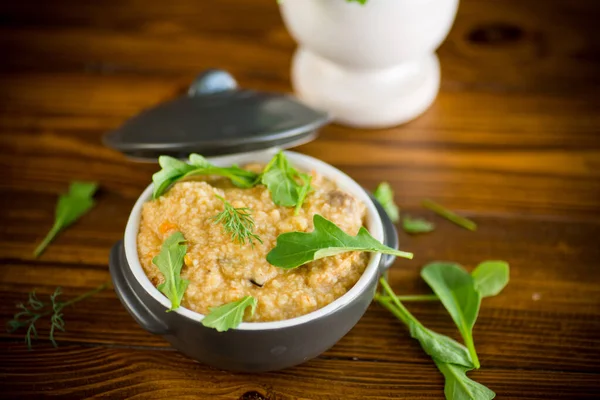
[
  {"x": 441, "y": 347},
  {"x": 28, "y": 317},
  {"x": 450, "y": 215},
  {"x": 416, "y": 225},
  {"x": 459, "y": 386},
  {"x": 437, "y": 346},
  {"x": 451, "y": 357},
  {"x": 170, "y": 261},
  {"x": 456, "y": 290},
  {"x": 70, "y": 207},
  {"x": 198, "y": 161},
  {"x": 237, "y": 222},
  {"x": 327, "y": 239},
  {"x": 282, "y": 181},
  {"x": 385, "y": 196},
  {"x": 491, "y": 277},
  {"x": 174, "y": 170},
  {"x": 230, "y": 315},
  {"x": 303, "y": 192}
]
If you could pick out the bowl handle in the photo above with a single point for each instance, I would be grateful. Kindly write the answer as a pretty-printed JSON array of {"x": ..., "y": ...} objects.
[
  {"x": 390, "y": 235},
  {"x": 125, "y": 289}
]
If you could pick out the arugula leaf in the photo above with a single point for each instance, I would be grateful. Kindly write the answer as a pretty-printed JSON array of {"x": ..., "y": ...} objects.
[
  {"x": 70, "y": 207},
  {"x": 491, "y": 277},
  {"x": 282, "y": 181},
  {"x": 450, "y": 215},
  {"x": 198, "y": 161},
  {"x": 435, "y": 345},
  {"x": 303, "y": 192},
  {"x": 278, "y": 177},
  {"x": 170, "y": 261},
  {"x": 385, "y": 196},
  {"x": 459, "y": 386},
  {"x": 327, "y": 239},
  {"x": 456, "y": 290},
  {"x": 416, "y": 225},
  {"x": 441, "y": 347},
  {"x": 451, "y": 357},
  {"x": 174, "y": 170},
  {"x": 230, "y": 315}
]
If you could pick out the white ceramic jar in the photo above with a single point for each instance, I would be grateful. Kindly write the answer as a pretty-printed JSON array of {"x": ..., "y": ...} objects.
[{"x": 371, "y": 65}]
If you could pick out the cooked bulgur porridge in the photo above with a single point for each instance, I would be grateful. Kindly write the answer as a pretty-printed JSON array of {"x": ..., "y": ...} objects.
[{"x": 222, "y": 271}]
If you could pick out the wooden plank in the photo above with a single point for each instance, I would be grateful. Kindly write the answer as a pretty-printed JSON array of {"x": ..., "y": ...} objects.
[
  {"x": 493, "y": 46},
  {"x": 78, "y": 371}
]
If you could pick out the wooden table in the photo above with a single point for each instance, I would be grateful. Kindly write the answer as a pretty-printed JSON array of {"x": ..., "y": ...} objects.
[{"x": 513, "y": 141}]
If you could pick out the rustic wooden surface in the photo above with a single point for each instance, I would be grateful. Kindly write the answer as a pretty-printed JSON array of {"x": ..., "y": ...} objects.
[{"x": 513, "y": 140}]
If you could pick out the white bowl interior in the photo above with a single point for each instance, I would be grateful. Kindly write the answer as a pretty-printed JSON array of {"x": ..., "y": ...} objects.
[{"x": 302, "y": 162}]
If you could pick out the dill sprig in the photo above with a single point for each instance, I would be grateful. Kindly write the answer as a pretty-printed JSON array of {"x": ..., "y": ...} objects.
[
  {"x": 36, "y": 309},
  {"x": 238, "y": 222}
]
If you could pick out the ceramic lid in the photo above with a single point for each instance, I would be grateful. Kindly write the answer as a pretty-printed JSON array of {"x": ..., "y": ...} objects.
[{"x": 215, "y": 118}]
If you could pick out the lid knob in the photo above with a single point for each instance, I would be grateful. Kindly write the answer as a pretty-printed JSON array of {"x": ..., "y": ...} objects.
[{"x": 212, "y": 81}]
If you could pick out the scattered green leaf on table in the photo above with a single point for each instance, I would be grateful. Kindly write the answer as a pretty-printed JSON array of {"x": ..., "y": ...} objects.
[
  {"x": 455, "y": 288},
  {"x": 450, "y": 215},
  {"x": 438, "y": 346},
  {"x": 327, "y": 239},
  {"x": 238, "y": 222},
  {"x": 416, "y": 225},
  {"x": 70, "y": 207},
  {"x": 385, "y": 196},
  {"x": 441, "y": 347},
  {"x": 459, "y": 386},
  {"x": 230, "y": 315},
  {"x": 170, "y": 261},
  {"x": 35, "y": 309},
  {"x": 491, "y": 277},
  {"x": 173, "y": 170},
  {"x": 288, "y": 187},
  {"x": 452, "y": 358}
]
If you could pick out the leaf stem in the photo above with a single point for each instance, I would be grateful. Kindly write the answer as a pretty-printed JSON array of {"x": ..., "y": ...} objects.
[
  {"x": 397, "y": 253},
  {"x": 417, "y": 297},
  {"x": 400, "y": 311},
  {"x": 387, "y": 304},
  {"x": 84, "y": 296},
  {"x": 49, "y": 238},
  {"x": 450, "y": 215},
  {"x": 471, "y": 347}
]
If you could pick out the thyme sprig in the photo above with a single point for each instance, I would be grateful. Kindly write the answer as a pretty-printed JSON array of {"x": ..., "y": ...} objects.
[{"x": 35, "y": 309}]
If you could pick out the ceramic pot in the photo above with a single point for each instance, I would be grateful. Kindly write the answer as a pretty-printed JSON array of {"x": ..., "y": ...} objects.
[
  {"x": 371, "y": 65},
  {"x": 252, "y": 346}
]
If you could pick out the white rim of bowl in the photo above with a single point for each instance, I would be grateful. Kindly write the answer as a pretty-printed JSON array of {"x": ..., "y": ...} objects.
[{"x": 343, "y": 181}]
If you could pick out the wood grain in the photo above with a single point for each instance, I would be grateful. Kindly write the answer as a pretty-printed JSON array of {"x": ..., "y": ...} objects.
[
  {"x": 80, "y": 371},
  {"x": 512, "y": 141}
]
